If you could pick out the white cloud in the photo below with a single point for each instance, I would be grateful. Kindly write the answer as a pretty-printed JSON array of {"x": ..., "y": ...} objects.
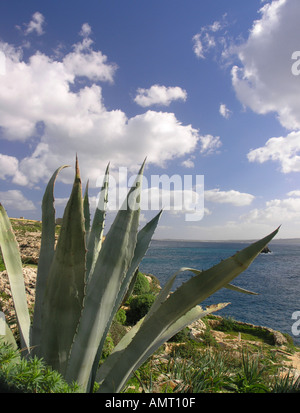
[
  {"x": 285, "y": 150},
  {"x": 159, "y": 95},
  {"x": 294, "y": 193},
  {"x": 9, "y": 167},
  {"x": 206, "y": 40},
  {"x": 86, "y": 30},
  {"x": 224, "y": 111},
  {"x": 159, "y": 135},
  {"x": 15, "y": 200},
  {"x": 41, "y": 91},
  {"x": 198, "y": 46},
  {"x": 84, "y": 61},
  {"x": 36, "y": 24},
  {"x": 233, "y": 197},
  {"x": 263, "y": 81},
  {"x": 188, "y": 163},
  {"x": 276, "y": 212},
  {"x": 209, "y": 144}
]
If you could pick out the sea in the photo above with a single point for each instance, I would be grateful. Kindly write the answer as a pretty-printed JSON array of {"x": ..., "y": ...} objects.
[{"x": 275, "y": 276}]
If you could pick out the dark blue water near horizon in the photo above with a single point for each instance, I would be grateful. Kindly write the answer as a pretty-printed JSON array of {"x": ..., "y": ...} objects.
[{"x": 274, "y": 276}]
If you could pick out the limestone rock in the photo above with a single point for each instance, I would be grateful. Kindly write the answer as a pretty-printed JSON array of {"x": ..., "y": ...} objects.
[
  {"x": 197, "y": 329},
  {"x": 6, "y": 301}
]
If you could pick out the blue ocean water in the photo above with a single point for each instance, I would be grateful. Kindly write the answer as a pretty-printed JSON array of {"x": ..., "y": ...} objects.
[{"x": 274, "y": 276}]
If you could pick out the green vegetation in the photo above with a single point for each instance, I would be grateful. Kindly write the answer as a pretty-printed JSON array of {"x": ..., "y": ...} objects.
[
  {"x": 2, "y": 265},
  {"x": 139, "y": 307},
  {"x": 82, "y": 283},
  {"x": 18, "y": 374},
  {"x": 141, "y": 285},
  {"x": 193, "y": 367},
  {"x": 247, "y": 331}
]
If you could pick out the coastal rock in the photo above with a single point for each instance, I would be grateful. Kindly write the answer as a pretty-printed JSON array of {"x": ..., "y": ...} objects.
[
  {"x": 197, "y": 329},
  {"x": 279, "y": 339},
  {"x": 265, "y": 250}
]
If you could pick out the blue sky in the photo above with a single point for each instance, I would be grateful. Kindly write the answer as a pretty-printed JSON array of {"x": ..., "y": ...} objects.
[{"x": 200, "y": 88}]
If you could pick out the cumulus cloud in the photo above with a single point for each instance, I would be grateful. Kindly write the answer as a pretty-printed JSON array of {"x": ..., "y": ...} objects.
[
  {"x": 86, "y": 62},
  {"x": 284, "y": 150},
  {"x": 159, "y": 95},
  {"x": 9, "y": 167},
  {"x": 263, "y": 80},
  {"x": 233, "y": 197},
  {"x": 294, "y": 193},
  {"x": 276, "y": 212},
  {"x": 41, "y": 98},
  {"x": 15, "y": 200}
]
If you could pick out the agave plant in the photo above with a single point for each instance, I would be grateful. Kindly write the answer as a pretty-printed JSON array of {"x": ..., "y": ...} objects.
[{"x": 82, "y": 281}]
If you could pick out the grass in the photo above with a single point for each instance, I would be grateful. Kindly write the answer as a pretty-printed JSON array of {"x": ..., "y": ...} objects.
[
  {"x": 248, "y": 332},
  {"x": 21, "y": 227}
]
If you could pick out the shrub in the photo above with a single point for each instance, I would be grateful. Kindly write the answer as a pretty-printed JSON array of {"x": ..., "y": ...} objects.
[
  {"x": 182, "y": 336},
  {"x": 139, "y": 307},
  {"x": 117, "y": 331},
  {"x": 20, "y": 375},
  {"x": 108, "y": 346},
  {"x": 120, "y": 316},
  {"x": 142, "y": 285}
]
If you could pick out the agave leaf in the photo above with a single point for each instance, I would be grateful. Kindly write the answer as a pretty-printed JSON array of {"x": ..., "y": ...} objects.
[
  {"x": 96, "y": 233},
  {"x": 5, "y": 332},
  {"x": 65, "y": 288},
  {"x": 86, "y": 211},
  {"x": 164, "y": 292},
  {"x": 117, "y": 353},
  {"x": 239, "y": 289},
  {"x": 102, "y": 290},
  {"x": 130, "y": 287},
  {"x": 13, "y": 264},
  {"x": 186, "y": 297},
  {"x": 45, "y": 257},
  {"x": 144, "y": 237}
]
